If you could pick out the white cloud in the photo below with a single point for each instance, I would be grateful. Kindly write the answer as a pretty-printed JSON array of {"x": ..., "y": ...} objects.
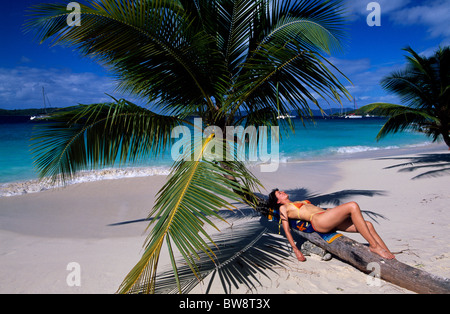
[
  {"x": 432, "y": 14},
  {"x": 366, "y": 78},
  {"x": 351, "y": 66},
  {"x": 21, "y": 87},
  {"x": 357, "y": 8},
  {"x": 24, "y": 59}
]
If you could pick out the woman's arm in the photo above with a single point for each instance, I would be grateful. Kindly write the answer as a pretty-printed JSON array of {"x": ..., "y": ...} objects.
[{"x": 287, "y": 232}]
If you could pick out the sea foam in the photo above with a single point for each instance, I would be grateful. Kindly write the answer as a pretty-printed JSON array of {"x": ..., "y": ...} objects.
[
  {"x": 34, "y": 186},
  {"x": 358, "y": 149}
]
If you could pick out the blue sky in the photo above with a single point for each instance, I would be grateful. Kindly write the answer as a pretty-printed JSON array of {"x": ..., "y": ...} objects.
[{"x": 371, "y": 53}]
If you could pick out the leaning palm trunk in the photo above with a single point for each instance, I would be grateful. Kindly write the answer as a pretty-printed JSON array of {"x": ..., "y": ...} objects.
[{"x": 231, "y": 62}]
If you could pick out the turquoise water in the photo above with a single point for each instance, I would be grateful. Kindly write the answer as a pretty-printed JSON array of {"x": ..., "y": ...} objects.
[
  {"x": 322, "y": 139},
  {"x": 331, "y": 137},
  {"x": 15, "y": 157}
]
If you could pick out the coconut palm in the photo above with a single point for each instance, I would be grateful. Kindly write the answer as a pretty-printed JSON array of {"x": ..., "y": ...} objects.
[
  {"x": 231, "y": 62},
  {"x": 424, "y": 87}
]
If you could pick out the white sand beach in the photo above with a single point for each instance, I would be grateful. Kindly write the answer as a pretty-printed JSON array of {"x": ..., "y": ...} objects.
[{"x": 100, "y": 226}]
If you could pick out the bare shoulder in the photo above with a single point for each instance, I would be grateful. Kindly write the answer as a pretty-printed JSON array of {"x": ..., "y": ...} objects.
[{"x": 284, "y": 210}]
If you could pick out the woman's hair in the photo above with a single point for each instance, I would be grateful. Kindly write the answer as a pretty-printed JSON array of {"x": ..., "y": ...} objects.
[
  {"x": 273, "y": 200},
  {"x": 266, "y": 207}
]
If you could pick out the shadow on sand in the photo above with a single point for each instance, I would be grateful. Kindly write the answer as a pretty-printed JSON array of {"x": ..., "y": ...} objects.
[
  {"x": 247, "y": 250},
  {"x": 431, "y": 165}
]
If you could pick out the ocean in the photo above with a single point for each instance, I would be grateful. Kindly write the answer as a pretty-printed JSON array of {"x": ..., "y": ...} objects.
[{"x": 323, "y": 139}]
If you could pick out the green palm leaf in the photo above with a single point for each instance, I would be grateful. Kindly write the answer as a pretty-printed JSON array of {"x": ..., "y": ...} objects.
[
  {"x": 292, "y": 76},
  {"x": 424, "y": 88},
  {"x": 195, "y": 191},
  {"x": 147, "y": 37},
  {"x": 401, "y": 118},
  {"x": 94, "y": 136},
  {"x": 286, "y": 59}
]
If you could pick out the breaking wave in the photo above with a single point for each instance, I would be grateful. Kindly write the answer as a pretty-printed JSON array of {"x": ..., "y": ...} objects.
[{"x": 34, "y": 186}]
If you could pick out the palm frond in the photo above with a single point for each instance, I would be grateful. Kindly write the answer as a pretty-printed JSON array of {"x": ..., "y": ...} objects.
[
  {"x": 195, "y": 191},
  {"x": 94, "y": 136},
  {"x": 243, "y": 251},
  {"x": 233, "y": 18},
  {"x": 151, "y": 46},
  {"x": 423, "y": 87},
  {"x": 293, "y": 77},
  {"x": 402, "y": 118},
  {"x": 283, "y": 61},
  {"x": 316, "y": 25},
  {"x": 408, "y": 87},
  {"x": 421, "y": 84}
]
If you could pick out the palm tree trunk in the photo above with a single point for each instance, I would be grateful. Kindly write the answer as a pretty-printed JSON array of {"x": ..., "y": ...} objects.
[{"x": 393, "y": 271}]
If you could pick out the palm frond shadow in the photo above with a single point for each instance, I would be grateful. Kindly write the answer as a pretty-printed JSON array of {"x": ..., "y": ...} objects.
[
  {"x": 225, "y": 214},
  {"x": 244, "y": 252},
  {"x": 335, "y": 198},
  {"x": 441, "y": 163},
  {"x": 127, "y": 222}
]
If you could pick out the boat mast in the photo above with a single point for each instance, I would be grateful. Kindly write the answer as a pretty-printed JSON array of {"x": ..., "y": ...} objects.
[{"x": 43, "y": 96}]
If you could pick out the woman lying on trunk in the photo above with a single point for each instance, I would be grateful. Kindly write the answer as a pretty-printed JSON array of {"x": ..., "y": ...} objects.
[{"x": 346, "y": 217}]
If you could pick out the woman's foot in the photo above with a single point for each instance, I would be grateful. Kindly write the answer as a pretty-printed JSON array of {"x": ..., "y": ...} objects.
[{"x": 382, "y": 252}]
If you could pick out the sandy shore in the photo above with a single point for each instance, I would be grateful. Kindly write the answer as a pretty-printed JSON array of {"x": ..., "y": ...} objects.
[{"x": 100, "y": 226}]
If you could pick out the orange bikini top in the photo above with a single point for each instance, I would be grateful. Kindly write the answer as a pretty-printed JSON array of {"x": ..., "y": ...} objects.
[{"x": 297, "y": 204}]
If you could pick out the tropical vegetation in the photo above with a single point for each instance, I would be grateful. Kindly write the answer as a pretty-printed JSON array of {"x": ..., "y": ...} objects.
[
  {"x": 424, "y": 88},
  {"x": 231, "y": 62}
]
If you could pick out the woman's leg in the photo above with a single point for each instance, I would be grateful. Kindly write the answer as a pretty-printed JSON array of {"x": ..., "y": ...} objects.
[
  {"x": 348, "y": 226},
  {"x": 348, "y": 217}
]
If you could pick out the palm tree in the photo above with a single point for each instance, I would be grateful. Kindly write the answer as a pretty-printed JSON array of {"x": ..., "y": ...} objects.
[
  {"x": 424, "y": 87},
  {"x": 232, "y": 62}
]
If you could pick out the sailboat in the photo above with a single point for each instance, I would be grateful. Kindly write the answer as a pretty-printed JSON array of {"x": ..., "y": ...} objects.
[
  {"x": 44, "y": 114},
  {"x": 353, "y": 115},
  {"x": 286, "y": 116}
]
